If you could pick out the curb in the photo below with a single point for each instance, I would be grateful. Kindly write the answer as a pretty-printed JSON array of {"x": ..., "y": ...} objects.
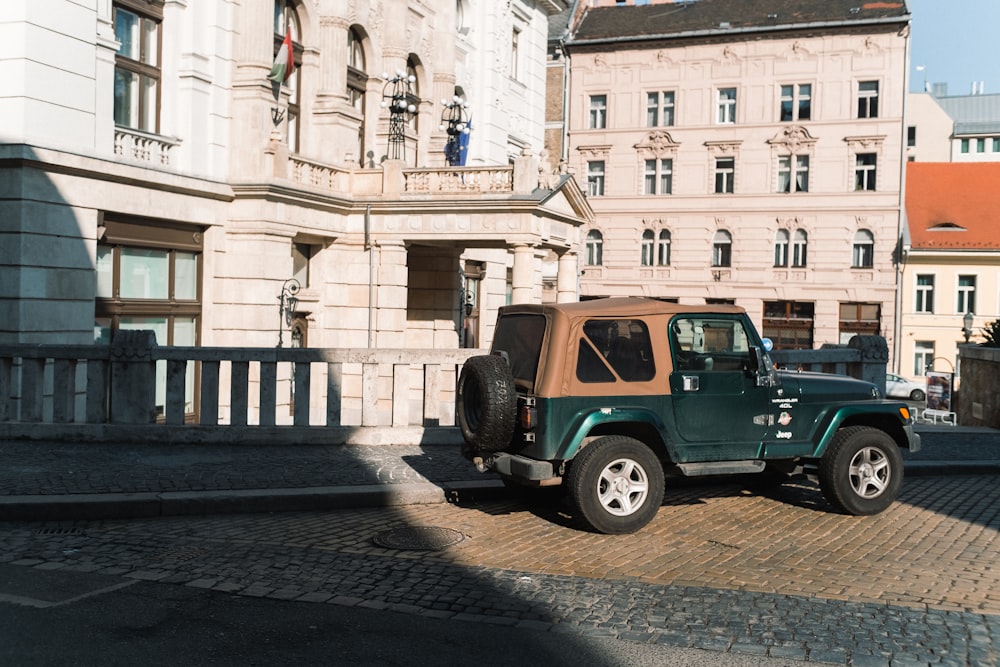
[{"x": 90, "y": 506}]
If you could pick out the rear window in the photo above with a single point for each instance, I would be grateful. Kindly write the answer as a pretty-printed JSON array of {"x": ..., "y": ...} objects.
[
  {"x": 622, "y": 345},
  {"x": 518, "y": 338}
]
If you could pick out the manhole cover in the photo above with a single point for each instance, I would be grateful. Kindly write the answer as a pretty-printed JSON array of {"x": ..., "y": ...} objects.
[{"x": 418, "y": 538}]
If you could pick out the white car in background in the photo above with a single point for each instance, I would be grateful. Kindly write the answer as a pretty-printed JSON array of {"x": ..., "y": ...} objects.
[{"x": 900, "y": 387}]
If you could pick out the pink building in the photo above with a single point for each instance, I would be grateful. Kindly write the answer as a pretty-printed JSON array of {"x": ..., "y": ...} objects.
[{"x": 744, "y": 152}]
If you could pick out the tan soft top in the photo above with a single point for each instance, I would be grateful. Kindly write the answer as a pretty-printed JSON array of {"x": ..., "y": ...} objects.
[{"x": 556, "y": 376}]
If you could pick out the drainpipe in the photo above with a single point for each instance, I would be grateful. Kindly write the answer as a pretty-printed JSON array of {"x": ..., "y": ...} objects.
[
  {"x": 900, "y": 225},
  {"x": 371, "y": 276}
]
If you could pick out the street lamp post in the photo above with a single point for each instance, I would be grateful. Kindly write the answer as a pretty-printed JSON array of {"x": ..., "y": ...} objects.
[
  {"x": 398, "y": 98},
  {"x": 286, "y": 305},
  {"x": 454, "y": 121},
  {"x": 967, "y": 326}
]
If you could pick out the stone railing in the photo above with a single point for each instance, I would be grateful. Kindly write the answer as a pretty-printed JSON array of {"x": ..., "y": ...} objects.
[
  {"x": 459, "y": 180},
  {"x": 864, "y": 357},
  {"x": 137, "y": 146},
  {"x": 135, "y": 389}
]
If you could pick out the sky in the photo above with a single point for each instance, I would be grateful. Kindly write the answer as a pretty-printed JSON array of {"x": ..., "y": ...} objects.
[{"x": 954, "y": 41}]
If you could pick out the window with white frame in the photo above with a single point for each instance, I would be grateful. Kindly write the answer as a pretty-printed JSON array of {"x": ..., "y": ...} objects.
[
  {"x": 863, "y": 256},
  {"x": 660, "y": 109},
  {"x": 726, "y": 106},
  {"x": 515, "y": 53},
  {"x": 793, "y": 173},
  {"x": 796, "y": 102},
  {"x": 598, "y": 112},
  {"x": 868, "y": 99},
  {"x": 647, "y": 246},
  {"x": 965, "y": 301},
  {"x": 286, "y": 20},
  {"x": 781, "y": 248},
  {"x": 864, "y": 172},
  {"x": 137, "y": 64},
  {"x": 725, "y": 175},
  {"x": 722, "y": 248},
  {"x": 594, "y": 248},
  {"x": 658, "y": 177},
  {"x": 663, "y": 248},
  {"x": 923, "y": 356},
  {"x": 924, "y": 294},
  {"x": 595, "y": 178},
  {"x": 800, "y": 243}
]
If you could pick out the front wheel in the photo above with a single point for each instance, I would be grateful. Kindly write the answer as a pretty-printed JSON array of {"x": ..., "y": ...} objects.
[
  {"x": 616, "y": 484},
  {"x": 861, "y": 472},
  {"x": 917, "y": 395}
]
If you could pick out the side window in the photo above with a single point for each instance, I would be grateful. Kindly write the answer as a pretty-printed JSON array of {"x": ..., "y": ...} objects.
[
  {"x": 622, "y": 345},
  {"x": 709, "y": 344}
]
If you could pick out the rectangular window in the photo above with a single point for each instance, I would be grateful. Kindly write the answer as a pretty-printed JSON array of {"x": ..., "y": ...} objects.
[
  {"x": 924, "y": 294},
  {"x": 859, "y": 319},
  {"x": 725, "y": 173},
  {"x": 966, "y": 299},
  {"x": 965, "y": 145},
  {"x": 658, "y": 177},
  {"x": 781, "y": 250},
  {"x": 800, "y": 243},
  {"x": 996, "y": 145},
  {"x": 868, "y": 99},
  {"x": 598, "y": 112},
  {"x": 137, "y": 66},
  {"x": 789, "y": 324},
  {"x": 796, "y": 102},
  {"x": 660, "y": 109},
  {"x": 980, "y": 145},
  {"x": 726, "y": 113},
  {"x": 152, "y": 283},
  {"x": 797, "y": 181},
  {"x": 923, "y": 357},
  {"x": 515, "y": 53},
  {"x": 911, "y": 136},
  {"x": 595, "y": 178},
  {"x": 864, "y": 172}
]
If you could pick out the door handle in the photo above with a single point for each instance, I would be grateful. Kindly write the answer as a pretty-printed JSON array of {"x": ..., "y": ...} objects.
[{"x": 691, "y": 382}]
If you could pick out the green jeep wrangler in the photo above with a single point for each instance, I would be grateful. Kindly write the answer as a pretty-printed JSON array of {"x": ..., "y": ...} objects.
[{"x": 606, "y": 397}]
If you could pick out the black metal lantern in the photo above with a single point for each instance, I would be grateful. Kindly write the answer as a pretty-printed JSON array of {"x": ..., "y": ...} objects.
[
  {"x": 455, "y": 121},
  {"x": 398, "y": 98}
]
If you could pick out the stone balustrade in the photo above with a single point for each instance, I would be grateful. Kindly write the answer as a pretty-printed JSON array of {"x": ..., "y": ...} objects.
[
  {"x": 136, "y": 389},
  {"x": 137, "y": 146}
]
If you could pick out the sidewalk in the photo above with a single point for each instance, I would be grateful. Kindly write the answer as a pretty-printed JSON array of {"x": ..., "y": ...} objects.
[{"x": 60, "y": 481}]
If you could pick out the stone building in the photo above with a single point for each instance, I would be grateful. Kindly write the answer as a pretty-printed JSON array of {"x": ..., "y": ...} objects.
[
  {"x": 153, "y": 176},
  {"x": 745, "y": 152}
]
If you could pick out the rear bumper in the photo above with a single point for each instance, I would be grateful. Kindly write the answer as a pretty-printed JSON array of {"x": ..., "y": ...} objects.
[{"x": 520, "y": 467}]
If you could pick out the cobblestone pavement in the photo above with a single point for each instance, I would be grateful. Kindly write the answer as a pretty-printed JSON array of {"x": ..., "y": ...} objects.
[{"x": 719, "y": 568}]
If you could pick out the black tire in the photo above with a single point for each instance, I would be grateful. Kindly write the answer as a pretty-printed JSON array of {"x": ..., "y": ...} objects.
[
  {"x": 616, "y": 484},
  {"x": 861, "y": 471},
  {"x": 917, "y": 395},
  {"x": 486, "y": 403}
]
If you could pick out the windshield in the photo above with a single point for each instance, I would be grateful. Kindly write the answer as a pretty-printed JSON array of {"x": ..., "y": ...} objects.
[{"x": 518, "y": 338}]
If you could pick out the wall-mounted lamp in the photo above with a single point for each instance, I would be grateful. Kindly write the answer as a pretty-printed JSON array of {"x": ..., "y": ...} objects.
[
  {"x": 455, "y": 121},
  {"x": 286, "y": 305}
]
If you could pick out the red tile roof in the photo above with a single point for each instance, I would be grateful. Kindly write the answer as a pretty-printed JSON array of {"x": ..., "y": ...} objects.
[{"x": 953, "y": 205}]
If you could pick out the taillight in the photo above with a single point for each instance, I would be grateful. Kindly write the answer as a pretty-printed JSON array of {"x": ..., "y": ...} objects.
[{"x": 527, "y": 416}]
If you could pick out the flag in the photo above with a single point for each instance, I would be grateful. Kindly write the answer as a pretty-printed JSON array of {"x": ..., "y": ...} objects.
[
  {"x": 463, "y": 144},
  {"x": 284, "y": 62}
]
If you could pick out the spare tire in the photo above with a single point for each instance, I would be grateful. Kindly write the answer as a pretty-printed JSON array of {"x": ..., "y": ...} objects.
[{"x": 486, "y": 403}]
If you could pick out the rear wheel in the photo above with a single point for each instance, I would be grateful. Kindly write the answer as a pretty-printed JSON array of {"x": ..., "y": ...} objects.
[
  {"x": 616, "y": 484},
  {"x": 862, "y": 470},
  {"x": 486, "y": 403},
  {"x": 917, "y": 395}
]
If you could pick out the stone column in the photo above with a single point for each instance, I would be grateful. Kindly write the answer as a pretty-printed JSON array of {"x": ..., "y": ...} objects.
[
  {"x": 521, "y": 280},
  {"x": 567, "y": 283}
]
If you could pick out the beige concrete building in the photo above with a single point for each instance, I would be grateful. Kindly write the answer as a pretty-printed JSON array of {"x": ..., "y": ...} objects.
[
  {"x": 951, "y": 262},
  {"x": 749, "y": 153}
]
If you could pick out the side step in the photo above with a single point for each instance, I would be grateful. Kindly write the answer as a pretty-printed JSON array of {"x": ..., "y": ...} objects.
[{"x": 721, "y": 468}]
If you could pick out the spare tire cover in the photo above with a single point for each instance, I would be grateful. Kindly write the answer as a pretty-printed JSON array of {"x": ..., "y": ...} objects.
[{"x": 486, "y": 403}]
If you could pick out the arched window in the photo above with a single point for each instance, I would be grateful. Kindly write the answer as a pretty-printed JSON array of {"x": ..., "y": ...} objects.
[
  {"x": 287, "y": 19},
  {"x": 663, "y": 248},
  {"x": 647, "y": 248},
  {"x": 357, "y": 83},
  {"x": 800, "y": 242},
  {"x": 864, "y": 250},
  {"x": 781, "y": 248},
  {"x": 595, "y": 248},
  {"x": 722, "y": 248},
  {"x": 411, "y": 73}
]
